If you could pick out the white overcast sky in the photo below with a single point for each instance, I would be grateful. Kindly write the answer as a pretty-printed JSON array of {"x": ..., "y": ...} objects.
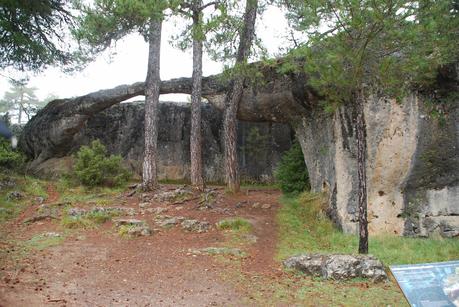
[{"x": 130, "y": 63}]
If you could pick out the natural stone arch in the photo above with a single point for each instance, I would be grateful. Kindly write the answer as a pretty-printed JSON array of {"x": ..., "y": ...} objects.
[{"x": 405, "y": 194}]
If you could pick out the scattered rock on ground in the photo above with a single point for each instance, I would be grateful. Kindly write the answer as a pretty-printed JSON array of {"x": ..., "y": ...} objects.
[
  {"x": 338, "y": 266},
  {"x": 137, "y": 231},
  {"x": 135, "y": 222},
  {"x": 178, "y": 195},
  {"x": 170, "y": 221},
  {"x": 256, "y": 205},
  {"x": 145, "y": 205},
  {"x": 51, "y": 234},
  {"x": 195, "y": 226},
  {"x": 76, "y": 212},
  {"x": 265, "y": 206},
  {"x": 241, "y": 204},
  {"x": 39, "y": 217},
  {"x": 6, "y": 183},
  {"x": 218, "y": 251},
  {"x": 14, "y": 195},
  {"x": 133, "y": 227},
  {"x": 157, "y": 210},
  {"x": 39, "y": 200}
]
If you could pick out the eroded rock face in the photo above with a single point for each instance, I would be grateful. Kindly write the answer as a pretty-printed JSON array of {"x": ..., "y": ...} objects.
[
  {"x": 412, "y": 167},
  {"x": 120, "y": 129},
  {"x": 412, "y": 160},
  {"x": 338, "y": 266}
]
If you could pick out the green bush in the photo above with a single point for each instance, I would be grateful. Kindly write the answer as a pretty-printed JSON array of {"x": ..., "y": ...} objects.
[
  {"x": 292, "y": 174},
  {"x": 93, "y": 167},
  {"x": 10, "y": 158}
]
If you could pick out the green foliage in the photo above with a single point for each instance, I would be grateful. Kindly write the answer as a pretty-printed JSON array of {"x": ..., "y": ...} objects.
[
  {"x": 103, "y": 22},
  {"x": 31, "y": 34},
  {"x": 304, "y": 228},
  {"x": 10, "y": 158},
  {"x": 292, "y": 173},
  {"x": 94, "y": 167},
  {"x": 387, "y": 46},
  {"x": 235, "y": 224}
]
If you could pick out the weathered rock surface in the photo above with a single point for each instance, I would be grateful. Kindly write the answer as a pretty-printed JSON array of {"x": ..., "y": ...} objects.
[
  {"x": 338, "y": 266},
  {"x": 120, "y": 129},
  {"x": 14, "y": 195},
  {"x": 177, "y": 195},
  {"x": 218, "y": 251},
  {"x": 195, "y": 226},
  {"x": 106, "y": 210},
  {"x": 131, "y": 222},
  {"x": 412, "y": 158},
  {"x": 132, "y": 227},
  {"x": 167, "y": 221}
]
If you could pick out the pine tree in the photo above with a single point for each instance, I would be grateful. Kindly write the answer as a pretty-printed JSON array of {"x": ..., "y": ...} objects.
[
  {"x": 105, "y": 22},
  {"x": 355, "y": 48}
]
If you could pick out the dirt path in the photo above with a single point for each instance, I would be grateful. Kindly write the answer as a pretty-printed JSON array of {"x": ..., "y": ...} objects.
[{"x": 99, "y": 268}]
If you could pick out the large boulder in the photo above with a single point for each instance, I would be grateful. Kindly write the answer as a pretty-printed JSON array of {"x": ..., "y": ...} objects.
[{"x": 338, "y": 266}]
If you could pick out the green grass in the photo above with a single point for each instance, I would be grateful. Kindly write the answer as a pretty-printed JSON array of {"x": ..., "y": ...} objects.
[
  {"x": 70, "y": 192},
  {"x": 86, "y": 221},
  {"x": 76, "y": 222},
  {"x": 41, "y": 242},
  {"x": 29, "y": 187},
  {"x": 235, "y": 224},
  {"x": 300, "y": 290},
  {"x": 304, "y": 228}
]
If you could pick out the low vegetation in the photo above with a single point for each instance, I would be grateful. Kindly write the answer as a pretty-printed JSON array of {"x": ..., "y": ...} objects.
[
  {"x": 94, "y": 167},
  {"x": 292, "y": 174},
  {"x": 304, "y": 228},
  {"x": 235, "y": 224},
  {"x": 17, "y": 192},
  {"x": 11, "y": 159},
  {"x": 87, "y": 220}
]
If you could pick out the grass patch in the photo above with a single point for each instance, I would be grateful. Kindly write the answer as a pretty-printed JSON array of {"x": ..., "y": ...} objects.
[
  {"x": 304, "y": 228},
  {"x": 76, "y": 222},
  {"x": 43, "y": 241},
  {"x": 71, "y": 192},
  {"x": 235, "y": 224},
  {"x": 28, "y": 187},
  {"x": 88, "y": 220},
  {"x": 301, "y": 290}
]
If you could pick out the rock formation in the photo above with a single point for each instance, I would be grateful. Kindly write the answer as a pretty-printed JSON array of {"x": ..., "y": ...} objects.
[
  {"x": 412, "y": 169},
  {"x": 120, "y": 129}
]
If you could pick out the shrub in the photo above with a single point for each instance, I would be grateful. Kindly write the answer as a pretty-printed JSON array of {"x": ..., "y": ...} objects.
[
  {"x": 10, "y": 158},
  {"x": 292, "y": 173},
  {"x": 93, "y": 166}
]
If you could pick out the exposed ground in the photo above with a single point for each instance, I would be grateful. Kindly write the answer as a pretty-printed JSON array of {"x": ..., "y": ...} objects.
[{"x": 89, "y": 263}]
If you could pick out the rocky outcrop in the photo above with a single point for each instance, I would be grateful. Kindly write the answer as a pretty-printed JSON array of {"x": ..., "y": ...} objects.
[
  {"x": 120, "y": 129},
  {"x": 338, "y": 267},
  {"x": 412, "y": 158},
  {"x": 412, "y": 167}
]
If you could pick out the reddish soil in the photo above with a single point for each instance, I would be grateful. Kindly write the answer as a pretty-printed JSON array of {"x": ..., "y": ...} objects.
[{"x": 99, "y": 268}]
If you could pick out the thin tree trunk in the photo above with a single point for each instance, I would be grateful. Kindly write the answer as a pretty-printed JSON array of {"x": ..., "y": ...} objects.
[
  {"x": 233, "y": 97},
  {"x": 20, "y": 114},
  {"x": 361, "y": 166},
  {"x": 197, "y": 180},
  {"x": 152, "y": 88}
]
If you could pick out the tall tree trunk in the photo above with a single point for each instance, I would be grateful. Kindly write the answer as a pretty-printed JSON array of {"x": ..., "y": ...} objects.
[
  {"x": 152, "y": 88},
  {"x": 361, "y": 166},
  {"x": 20, "y": 114},
  {"x": 197, "y": 180},
  {"x": 234, "y": 96}
]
